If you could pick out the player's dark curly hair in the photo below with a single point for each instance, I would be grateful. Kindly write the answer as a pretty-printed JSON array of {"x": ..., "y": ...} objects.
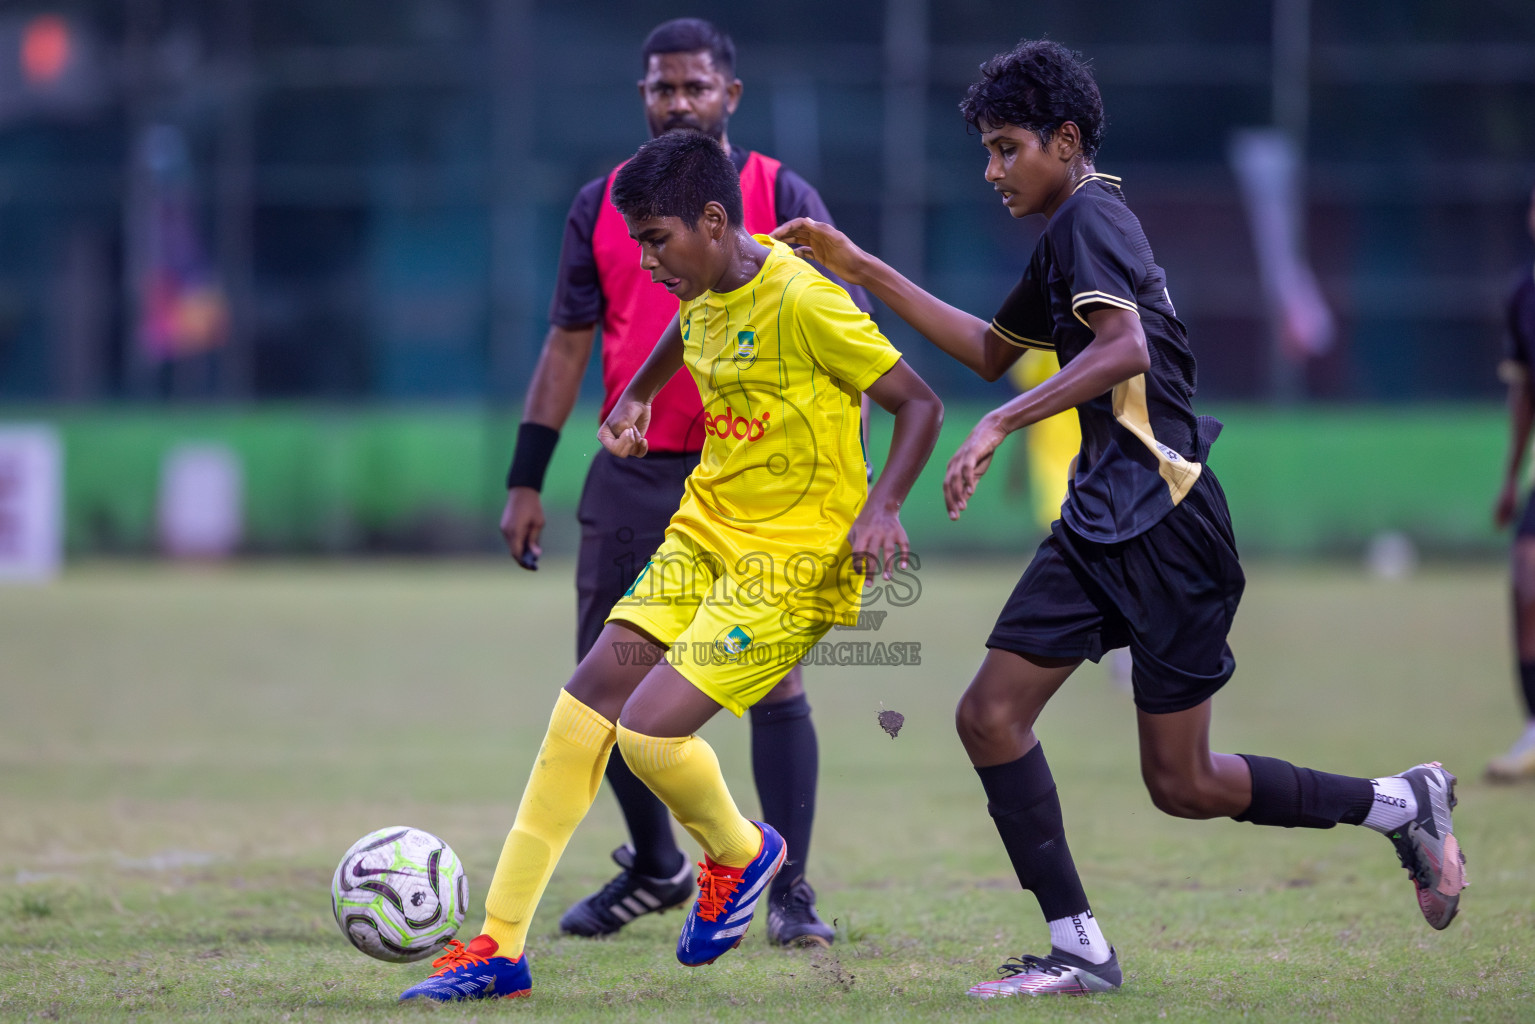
[
  {"x": 1038, "y": 85},
  {"x": 675, "y": 175},
  {"x": 689, "y": 35}
]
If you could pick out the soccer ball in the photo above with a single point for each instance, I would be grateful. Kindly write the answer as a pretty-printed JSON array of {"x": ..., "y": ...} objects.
[{"x": 399, "y": 894}]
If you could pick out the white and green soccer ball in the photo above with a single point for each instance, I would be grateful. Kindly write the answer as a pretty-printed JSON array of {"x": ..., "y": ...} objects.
[{"x": 399, "y": 894}]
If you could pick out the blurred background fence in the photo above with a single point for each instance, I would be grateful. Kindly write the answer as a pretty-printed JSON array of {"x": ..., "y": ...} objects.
[{"x": 324, "y": 234}]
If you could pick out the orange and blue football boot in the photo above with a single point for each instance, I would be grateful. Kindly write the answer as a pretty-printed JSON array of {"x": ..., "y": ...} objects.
[
  {"x": 474, "y": 972},
  {"x": 727, "y": 898}
]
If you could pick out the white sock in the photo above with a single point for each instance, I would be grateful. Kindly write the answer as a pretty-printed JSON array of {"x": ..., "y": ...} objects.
[
  {"x": 1526, "y": 739},
  {"x": 1394, "y": 805},
  {"x": 1080, "y": 936}
]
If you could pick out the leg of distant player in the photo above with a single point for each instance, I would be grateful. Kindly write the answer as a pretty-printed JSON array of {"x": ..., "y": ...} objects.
[
  {"x": 561, "y": 787},
  {"x": 657, "y": 732},
  {"x": 1519, "y": 761},
  {"x": 785, "y": 765}
]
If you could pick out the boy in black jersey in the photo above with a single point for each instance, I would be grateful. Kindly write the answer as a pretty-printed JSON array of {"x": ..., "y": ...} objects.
[{"x": 1143, "y": 555}]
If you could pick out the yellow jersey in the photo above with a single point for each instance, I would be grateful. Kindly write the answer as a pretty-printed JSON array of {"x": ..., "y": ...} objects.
[
  {"x": 1052, "y": 443},
  {"x": 780, "y": 363}
]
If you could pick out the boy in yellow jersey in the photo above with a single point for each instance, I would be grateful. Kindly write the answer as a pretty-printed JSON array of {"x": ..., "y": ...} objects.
[{"x": 775, "y": 538}]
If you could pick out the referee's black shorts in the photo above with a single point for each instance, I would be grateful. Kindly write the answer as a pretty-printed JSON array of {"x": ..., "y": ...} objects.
[
  {"x": 625, "y": 507},
  {"x": 1169, "y": 594}
]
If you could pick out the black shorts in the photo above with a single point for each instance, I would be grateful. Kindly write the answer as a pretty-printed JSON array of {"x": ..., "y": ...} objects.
[
  {"x": 1169, "y": 594},
  {"x": 625, "y": 507},
  {"x": 1527, "y": 521}
]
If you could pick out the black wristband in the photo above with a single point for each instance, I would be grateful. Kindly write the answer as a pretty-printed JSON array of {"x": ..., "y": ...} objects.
[{"x": 535, "y": 447}]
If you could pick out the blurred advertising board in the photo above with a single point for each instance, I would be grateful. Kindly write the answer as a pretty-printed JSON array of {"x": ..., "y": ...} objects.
[{"x": 31, "y": 503}]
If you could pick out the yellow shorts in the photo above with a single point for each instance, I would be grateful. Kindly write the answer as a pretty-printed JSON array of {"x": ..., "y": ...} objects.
[{"x": 734, "y": 631}]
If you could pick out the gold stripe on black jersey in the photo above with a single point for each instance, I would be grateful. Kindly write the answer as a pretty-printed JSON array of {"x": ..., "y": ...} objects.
[
  {"x": 1015, "y": 339},
  {"x": 1129, "y": 399},
  {"x": 1099, "y": 299},
  {"x": 1107, "y": 179}
]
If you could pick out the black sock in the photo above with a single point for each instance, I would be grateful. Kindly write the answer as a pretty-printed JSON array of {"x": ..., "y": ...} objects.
[
  {"x": 1027, "y": 811},
  {"x": 650, "y": 823},
  {"x": 785, "y": 764},
  {"x": 1527, "y": 685},
  {"x": 1294, "y": 797}
]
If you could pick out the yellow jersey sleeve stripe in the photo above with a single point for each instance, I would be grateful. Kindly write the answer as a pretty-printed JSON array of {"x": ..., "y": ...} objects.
[
  {"x": 1099, "y": 299},
  {"x": 1019, "y": 340}
]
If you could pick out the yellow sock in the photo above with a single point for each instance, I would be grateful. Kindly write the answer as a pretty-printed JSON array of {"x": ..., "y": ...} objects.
[
  {"x": 560, "y": 791},
  {"x": 685, "y": 774}
]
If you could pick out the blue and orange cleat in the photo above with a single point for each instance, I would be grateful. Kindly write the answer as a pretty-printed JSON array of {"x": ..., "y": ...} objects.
[
  {"x": 474, "y": 972},
  {"x": 727, "y": 897}
]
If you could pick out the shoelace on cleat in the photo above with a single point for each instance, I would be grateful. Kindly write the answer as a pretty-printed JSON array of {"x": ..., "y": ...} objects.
[
  {"x": 456, "y": 955},
  {"x": 1026, "y": 963},
  {"x": 714, "y": 891}
]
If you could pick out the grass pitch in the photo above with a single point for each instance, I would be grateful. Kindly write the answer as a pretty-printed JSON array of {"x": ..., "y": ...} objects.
[{"x": 184, "y": 755}]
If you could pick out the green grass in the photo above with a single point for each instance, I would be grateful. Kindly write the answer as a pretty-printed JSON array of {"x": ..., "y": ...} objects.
[{"x": 185, "y": 754}]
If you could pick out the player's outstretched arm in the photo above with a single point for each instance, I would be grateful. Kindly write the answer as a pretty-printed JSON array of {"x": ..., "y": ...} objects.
[
  {"x": 877, "y": 532},
  {"x": 967, "y": 338},
  {"x": 1521, "y": 418},
  {"x": 623, "y": 432},
  {"x": 551, "y": 395},
  {"x": 1116, "y": 354}
]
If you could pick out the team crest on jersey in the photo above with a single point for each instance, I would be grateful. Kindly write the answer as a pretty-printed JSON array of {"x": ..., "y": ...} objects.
[
  {"x": 733, "y": 641},
  {"x": 687, "y": 328},
  {"x": 746, "y": 348}
]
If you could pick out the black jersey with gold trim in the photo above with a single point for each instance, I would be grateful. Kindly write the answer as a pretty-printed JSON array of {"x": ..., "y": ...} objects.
[{"x": 1140, "y": 441}]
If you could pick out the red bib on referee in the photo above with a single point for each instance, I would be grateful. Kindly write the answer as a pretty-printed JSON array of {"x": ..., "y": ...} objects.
[{"x": 636, "y": 310}]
